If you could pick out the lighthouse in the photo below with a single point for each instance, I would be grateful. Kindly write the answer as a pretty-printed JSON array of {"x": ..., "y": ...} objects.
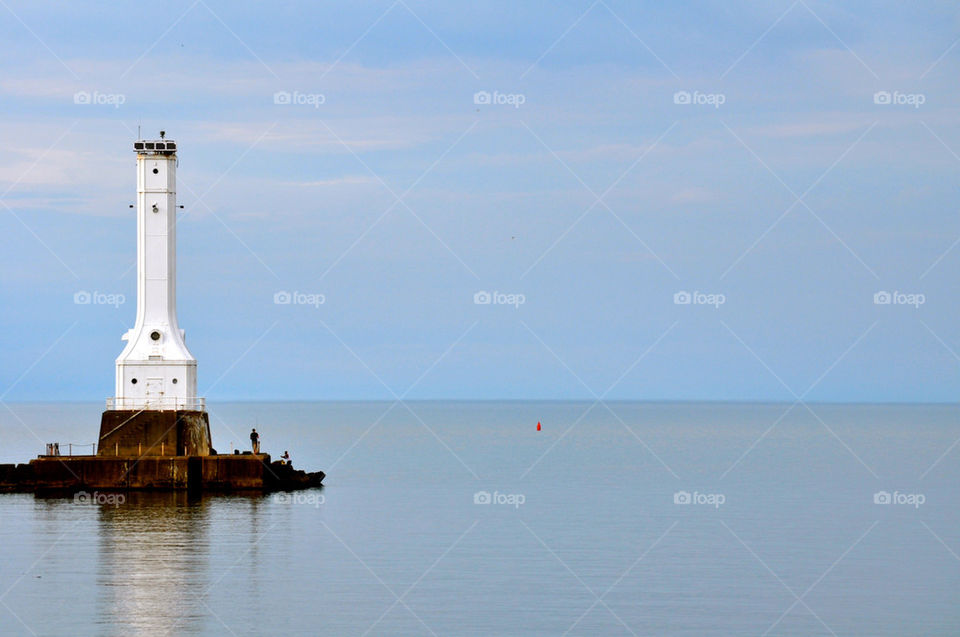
[
  {"x": 156, "y": 410},
  {"x": 156, "y": 371},
  {"x": 155, "y": 432}
]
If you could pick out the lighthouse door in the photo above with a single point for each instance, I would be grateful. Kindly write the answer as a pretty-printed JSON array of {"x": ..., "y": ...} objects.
[{"x": 154, "y": 392}]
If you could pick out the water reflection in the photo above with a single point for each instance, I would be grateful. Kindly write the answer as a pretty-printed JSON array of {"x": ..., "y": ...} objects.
[{"x": 153, "y": 567}]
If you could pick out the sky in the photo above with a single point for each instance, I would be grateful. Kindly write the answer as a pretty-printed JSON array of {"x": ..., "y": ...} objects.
[{"x": 660, "y": 201}]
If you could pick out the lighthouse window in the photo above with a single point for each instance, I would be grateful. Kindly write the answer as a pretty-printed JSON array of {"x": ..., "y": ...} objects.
[
  {"x": 155, "y": 335},
  {"x": 133, "y": 381},
  {"x": 155, "y": 171},
  {"x": 174, "y": 381}
]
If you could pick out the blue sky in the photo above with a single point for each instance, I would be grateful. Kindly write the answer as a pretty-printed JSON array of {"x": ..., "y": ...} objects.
[{"x": 788, "y": 188}]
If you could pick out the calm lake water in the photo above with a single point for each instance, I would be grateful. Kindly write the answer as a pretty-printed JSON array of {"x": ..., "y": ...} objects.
[{"x": 663, "y": 519}]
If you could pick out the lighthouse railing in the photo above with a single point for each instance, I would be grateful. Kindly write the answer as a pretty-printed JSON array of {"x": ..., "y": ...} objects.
[{"x": 158, "y": 403}]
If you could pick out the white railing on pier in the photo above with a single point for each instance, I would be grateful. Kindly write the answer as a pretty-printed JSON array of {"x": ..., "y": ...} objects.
[{"x": 158, "y": 403}]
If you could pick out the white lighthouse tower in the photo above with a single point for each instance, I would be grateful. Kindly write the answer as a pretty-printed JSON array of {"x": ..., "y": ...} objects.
[{"x": 156, "y": 371}]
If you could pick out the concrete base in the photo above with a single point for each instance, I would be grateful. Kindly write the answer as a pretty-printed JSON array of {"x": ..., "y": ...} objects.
[{"x": 125, "y": 432}]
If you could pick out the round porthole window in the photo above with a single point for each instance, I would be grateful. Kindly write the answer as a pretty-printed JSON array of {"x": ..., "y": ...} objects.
[
  {"x": 155, "y": 335},
  {"x": 174, "y": 381},
  {"x": 155, "y": 171},
  {"x": 133, "y": 381}
]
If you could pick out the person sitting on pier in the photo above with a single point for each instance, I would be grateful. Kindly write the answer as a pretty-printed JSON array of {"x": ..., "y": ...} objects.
[
  {"x": 255, "y": 441},
  {"x": 285, "y": 458}
]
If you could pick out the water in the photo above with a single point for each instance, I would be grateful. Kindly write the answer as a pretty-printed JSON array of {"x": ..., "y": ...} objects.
[{"x": 397, "y": 521}]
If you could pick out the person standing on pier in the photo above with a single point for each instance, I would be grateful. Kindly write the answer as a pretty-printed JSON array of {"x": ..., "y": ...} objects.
[{"x": 255, "y": 441}]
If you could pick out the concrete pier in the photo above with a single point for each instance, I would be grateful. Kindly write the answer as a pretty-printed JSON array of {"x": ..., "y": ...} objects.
[
  {"x": 167, "y": 473},
  {"x": 155, "y": 450}
]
